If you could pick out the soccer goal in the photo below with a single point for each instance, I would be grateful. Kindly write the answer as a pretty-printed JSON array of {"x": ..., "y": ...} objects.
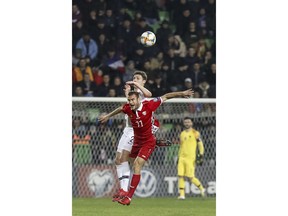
[{"x": 95, "y": 144}]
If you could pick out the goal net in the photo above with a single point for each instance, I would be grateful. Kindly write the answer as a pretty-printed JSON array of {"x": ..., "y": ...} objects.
[{"x": 95, "y": 145}]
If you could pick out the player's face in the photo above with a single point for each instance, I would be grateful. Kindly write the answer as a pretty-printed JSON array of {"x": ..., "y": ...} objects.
[
  {"x": 134, "y": 102},
  {"x": 188, "y": 123},
  {"x": 139, "y": 79}
]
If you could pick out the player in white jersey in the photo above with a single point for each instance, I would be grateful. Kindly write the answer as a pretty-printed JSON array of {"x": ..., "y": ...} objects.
[{"x": 126, "y": 140}]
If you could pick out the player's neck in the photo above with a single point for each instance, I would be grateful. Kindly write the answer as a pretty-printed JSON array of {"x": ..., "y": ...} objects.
[{"x": 188, "y": 129}]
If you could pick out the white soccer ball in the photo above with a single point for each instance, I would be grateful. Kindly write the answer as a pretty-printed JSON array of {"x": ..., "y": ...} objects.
[{"x": 148, "y": 38}]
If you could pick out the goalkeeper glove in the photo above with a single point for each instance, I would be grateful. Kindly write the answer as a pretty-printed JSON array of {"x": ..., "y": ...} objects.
[
  {"x": 163, "y": 142},
  {"x": 199, "y": 159}
]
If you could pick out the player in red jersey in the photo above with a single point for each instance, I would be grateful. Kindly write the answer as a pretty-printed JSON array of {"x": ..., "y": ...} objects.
[
  {"x": 125, "y": 143},
  {"x": 141, "y": 116}
]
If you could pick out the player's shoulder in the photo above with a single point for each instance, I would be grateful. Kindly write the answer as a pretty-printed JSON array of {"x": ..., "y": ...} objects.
[
  {"x": 126, "y": 107},
  {"x": 196, "y": 132}
]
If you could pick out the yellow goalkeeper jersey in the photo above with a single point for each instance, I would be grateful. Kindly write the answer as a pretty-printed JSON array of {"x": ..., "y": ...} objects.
[{"x": 188, "y": 144}]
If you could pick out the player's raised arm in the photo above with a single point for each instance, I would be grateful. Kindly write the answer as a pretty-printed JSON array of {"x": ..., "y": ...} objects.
[
  {"x": 144, "y": 90},
  {"x": 103, "y": 119},
  {"x": 186, "y": 94}
]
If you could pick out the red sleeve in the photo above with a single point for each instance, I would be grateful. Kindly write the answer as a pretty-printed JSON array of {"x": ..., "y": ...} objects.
[
  {"x": 125, "y": 108},
  {"x": 155, "y": 103}
]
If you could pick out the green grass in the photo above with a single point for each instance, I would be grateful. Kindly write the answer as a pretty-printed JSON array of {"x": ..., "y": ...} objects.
[{"x": 145, "y": 207}]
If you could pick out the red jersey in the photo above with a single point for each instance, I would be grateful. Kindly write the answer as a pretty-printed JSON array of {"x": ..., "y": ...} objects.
[{"x": 142, "y": 118}]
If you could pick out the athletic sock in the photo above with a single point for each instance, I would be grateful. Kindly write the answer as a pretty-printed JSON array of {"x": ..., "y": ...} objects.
[
  {"x": 181, "y": 186},
  {"x": 125, "y": 176},
  {"x": 134, "y": 183}
]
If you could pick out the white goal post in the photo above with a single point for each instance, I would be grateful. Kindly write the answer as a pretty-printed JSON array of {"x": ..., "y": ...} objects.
[{"x": 123, "y": 99}]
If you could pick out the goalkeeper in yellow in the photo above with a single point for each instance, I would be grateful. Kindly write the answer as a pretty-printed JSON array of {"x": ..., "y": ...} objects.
[{"x": 189, "y": 141}]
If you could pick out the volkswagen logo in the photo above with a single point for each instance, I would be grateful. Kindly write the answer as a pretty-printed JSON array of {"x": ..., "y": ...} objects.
[{"x": 147, "y": 184}]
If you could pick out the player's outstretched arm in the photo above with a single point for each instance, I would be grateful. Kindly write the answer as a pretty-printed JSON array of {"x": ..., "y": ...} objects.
[
  {"x": 144, "y": 90},
  {"x": 186, "y": 94},
  {"x": 103, "y": 119}
]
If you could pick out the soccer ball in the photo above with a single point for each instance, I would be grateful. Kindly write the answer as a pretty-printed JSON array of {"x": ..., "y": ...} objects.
[{"x": 148, "y": 38}]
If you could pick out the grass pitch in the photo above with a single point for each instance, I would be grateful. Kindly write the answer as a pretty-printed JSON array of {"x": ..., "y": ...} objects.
[{"x": 191, "y": 206}]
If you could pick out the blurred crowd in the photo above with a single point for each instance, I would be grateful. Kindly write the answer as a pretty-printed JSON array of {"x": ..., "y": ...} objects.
[{"x": 107, "y": 50}]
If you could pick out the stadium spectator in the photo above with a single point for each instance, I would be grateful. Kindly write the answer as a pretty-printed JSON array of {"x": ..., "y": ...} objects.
[
  {"x": 111, "y": 93},
  {"x": 126, "y": 31},
  {"x": 188, "y": 84},
  {"x": 89, "y": 87},
  {"x": 76, "y": 14},
  {"x": 118, "y": 87},
  {"x": 191, "y": 36},
  {"x": 150, "y": 12},
  {"x": 110, "y": 20},
  {"x": 163, "y": 32},
  {"x": 208, "y": 60},
  {"x": 182, "y": 22},
  {"x": 77, "y": 32},
  {"x": 78, "y": 91},
  {"x": 190, "y": 141},
  {"x": 76, "y": 57},
  {"x": 201, "y": 48},
  {"x": 86, "y": 7},
  {"x": 142, "y": 27},
  {"x": 104, "y": 88},
  {"x": 101, "y": 28},
  {"x": 91, "y": 23},
  {"x": 211, "y": 76},
  {"x": 137, "y": 17},
  {"x": 114, "y": 63},
  {"x": 205, "y": 87},
  {"x": 191, "y": 58},
  {"x": 156, "y": 62},
  {"x": 197, "y": 75},
  {"x": 149, "y": 71},
  {"x": 158, "y": 88},
  {"x": 129, "y": 71},
  {"x": 88, "y": 46},
  {"x": 98, "y": 76},
  {"x": 203, "y": 20},
  {"x": 103, "y": 45},
  {"x": 181, "y": 71},
  {"x": 81, "y": 70},
  {"x": 122, "y": 15},
  {"x": 139, "y": 56}
]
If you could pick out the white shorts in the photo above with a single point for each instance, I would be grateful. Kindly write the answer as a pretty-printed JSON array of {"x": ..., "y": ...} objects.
[{"x": 127, "y": 138}]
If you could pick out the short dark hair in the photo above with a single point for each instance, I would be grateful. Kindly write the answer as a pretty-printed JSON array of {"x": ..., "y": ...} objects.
[
  {"x": 134, "y": 93},
  {"x": 141, "y": 73},
  {"x": 186, "y": 118}
]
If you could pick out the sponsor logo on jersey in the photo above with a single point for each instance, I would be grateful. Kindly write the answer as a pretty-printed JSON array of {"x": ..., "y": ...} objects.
[{"x": 144, "y": 113}]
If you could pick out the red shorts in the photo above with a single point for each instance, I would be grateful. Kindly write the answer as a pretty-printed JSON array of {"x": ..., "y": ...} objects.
[{"x": 143, "y": 149}]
